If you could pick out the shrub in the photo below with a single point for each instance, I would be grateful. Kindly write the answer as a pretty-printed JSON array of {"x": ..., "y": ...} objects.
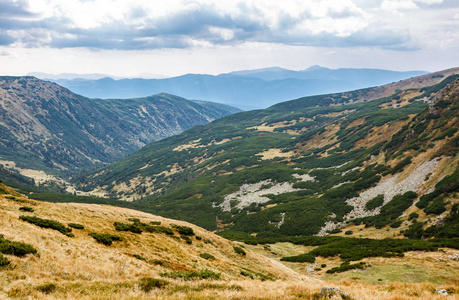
[
  {"x": 159, "y": 262},
  {"x": 134, "y": 228},
  {"x": 46, "y": 223},
  {"x": 186, "y": 275},
  {"x": 239, "y": 250},
  {"x": 413, "y": 216},
  {"x": 105, "y": 238},
  {"x": 138, "y": 256},
  {"x": 246, "y": 274},
  {"x": 46, "y": 288},
  {"x": 349, "y": 232},
  {"x": 187, "y": 239},
  {"x": 76, "y": 226},
  {"x": 436, "y": 207},
  {"x": 159, "y": 229},
  {"x": 396, "y": 224},
  {"x": 147, "y": 284},
  {"x": 155, "y": 222},
  {"x": 15, "y": 248},
  {"x": 207, "y": 256},
  {"x": 4, "y": 261},
  {"x": 183, "y": 230},
  {"x": 306, "y": 257},
  {"x": 346, "y": 267},
  {"x": 26, "y": 208},
  {"x": 375, "y": 202}
]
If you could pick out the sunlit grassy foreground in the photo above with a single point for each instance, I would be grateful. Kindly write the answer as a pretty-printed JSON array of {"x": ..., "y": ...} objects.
[{"x": 149, "y": 265}]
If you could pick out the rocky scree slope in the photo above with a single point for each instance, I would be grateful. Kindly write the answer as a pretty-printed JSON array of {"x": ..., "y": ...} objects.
[{"x": 46, "y": 127}]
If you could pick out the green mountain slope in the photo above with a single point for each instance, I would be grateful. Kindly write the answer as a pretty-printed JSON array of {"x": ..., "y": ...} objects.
[
  {"x": 47, "y": 127},
  {"x": 303, "y": 167}
]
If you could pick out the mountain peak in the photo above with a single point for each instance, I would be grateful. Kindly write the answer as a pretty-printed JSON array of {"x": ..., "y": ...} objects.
[{"x": 315, "y": 68}]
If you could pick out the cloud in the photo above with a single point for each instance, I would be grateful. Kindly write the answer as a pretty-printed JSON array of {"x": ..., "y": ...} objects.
[
  {"x": 5, "y": 39},
  {"x": 14, "y": 8},
  {"x": 143, "y": 24}
]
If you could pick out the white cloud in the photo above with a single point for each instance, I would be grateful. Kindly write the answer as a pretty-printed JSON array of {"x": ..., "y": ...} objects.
[{"x": 397, "y": 6}]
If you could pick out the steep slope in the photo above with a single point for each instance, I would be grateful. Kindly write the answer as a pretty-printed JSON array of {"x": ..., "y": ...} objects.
[
  {"x": 47, "y": 127},
  {"x": 76, "y": 263},
  {"x": 44, "y": 260},
  {"x": 245, "y": 89},
  {"x": 301, "y": 167}
]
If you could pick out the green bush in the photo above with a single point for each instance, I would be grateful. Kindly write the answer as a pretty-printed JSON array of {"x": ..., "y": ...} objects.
[
  {"x": 239, "y": 250},
  {"x": 46, "y": 288},
  {"x": 76, "y": 226},
  {"x": 246, "y": 274},
  {"x": 159, "y": 229},
  {"x": 413, "y": 216},
  {"x": 346, "y": 267},
  {"x": 436, "y": 207},
  {"x": 155, "y": 222},
  {"x": 207, "y": 256},
  {"x": 349, "y": 232},
  {"x": 396, "y": 224},
  {"x": 15, "y": 248},
  {"x": 306, "y": 257},
  {"x": 4, "y": 261},
  {"x": 147, "y": 284},
  {"x": 26, "y": 208},
  {"x": 183, "y": 230},
  {"x": 105, "y": 238},
  {"x": 186, "y": 275},
  {"x": 46, "y": 223},
  {"x": 186, "y": 239},
  {"x": 138, "y": 256},
  {"x": 134, "y": 228},
  {"x": 375, "y": 202}
]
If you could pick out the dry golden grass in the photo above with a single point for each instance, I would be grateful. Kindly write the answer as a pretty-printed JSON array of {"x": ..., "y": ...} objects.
[{"x": 81, "y": 268}]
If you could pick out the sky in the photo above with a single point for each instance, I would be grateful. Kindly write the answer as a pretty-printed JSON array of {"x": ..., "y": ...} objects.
[{"x": 127, "y": 38}]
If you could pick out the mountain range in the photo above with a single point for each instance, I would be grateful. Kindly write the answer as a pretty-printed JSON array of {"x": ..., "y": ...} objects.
[
  {"x": 356, "y": 190},
  {"x": 251, "y": 89},
  {"x": 46, "y": 127},
  {"x": 302, "y": 167}
]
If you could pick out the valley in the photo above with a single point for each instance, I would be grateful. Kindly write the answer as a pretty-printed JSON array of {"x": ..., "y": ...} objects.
[
  {"x": 355, "y": 191},
  {"x": 48, "y": 128}
]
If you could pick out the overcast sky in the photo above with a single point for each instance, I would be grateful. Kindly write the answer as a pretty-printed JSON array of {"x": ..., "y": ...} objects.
[{"x": 173, "y": 37}]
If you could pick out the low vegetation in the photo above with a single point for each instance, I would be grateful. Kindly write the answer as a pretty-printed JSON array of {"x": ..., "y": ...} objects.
[
  {"x": 147, "y": 284},
  {"x": 26, "y": 208},
  {"x": 186, "y": 275},
  {"x": 13, "y": 248},
  {"x": 105, "y": 238},
  {"x": 46, "y": 223},
  {"x": 207, "y": 256},
  {"x": 76, "y": 226}
]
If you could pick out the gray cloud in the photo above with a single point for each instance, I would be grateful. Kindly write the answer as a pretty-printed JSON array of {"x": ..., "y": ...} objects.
[
  {"x": 204, "y": 23},
  {"x": 14, "y": 9},
  {"x": 5, "y": 39}
]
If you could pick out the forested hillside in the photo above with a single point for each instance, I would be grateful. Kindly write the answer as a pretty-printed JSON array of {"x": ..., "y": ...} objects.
[{"x": 311, "y": 166}]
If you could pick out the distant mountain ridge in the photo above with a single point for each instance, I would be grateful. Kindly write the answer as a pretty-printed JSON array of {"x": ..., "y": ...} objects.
[
  {"x": 46, "y": 127},
  {"x": 251, "y": 89}
]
